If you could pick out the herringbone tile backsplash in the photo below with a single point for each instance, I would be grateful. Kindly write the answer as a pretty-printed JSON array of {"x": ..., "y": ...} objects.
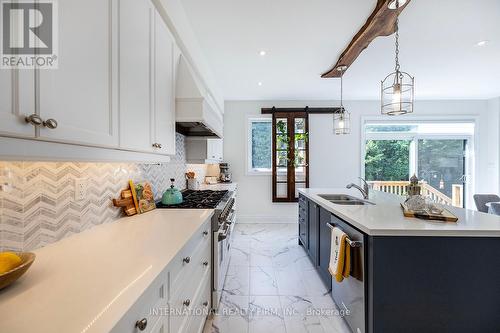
[{"x": 37, "y": 199}]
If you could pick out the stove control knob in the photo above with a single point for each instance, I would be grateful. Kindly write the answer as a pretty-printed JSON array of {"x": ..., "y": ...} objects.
[{"x": 187, "y": 260}]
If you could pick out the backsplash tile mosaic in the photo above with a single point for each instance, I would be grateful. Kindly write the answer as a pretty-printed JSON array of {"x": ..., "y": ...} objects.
[{"x": 37, "y": 199}]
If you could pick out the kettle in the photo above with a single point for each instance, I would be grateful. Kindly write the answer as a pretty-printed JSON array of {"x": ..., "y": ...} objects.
[{"x": 172, "y": 196}]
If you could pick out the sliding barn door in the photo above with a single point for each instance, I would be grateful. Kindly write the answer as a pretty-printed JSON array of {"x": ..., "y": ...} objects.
[{"x": 290, "y": 155}]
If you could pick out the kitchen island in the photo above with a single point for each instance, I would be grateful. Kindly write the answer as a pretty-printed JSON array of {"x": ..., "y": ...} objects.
[{"x": 407, "y": 275}]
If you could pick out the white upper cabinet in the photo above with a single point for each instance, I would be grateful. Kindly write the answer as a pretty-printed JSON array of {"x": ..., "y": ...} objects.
[
  {"x": 166, "y": 57},
  {"x": 136, "y": 46},
  {"x": 215, "y": 149},
  {"x": 17, "y": 101},
  {"x": 79, "y": 95},
  {"x": 114, "y": 86},
  {"x": 147, "y": 74},
  {"x": 204, "y": 150}
]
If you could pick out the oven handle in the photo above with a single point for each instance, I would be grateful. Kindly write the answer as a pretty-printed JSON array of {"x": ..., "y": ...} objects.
[
  {"x": 231, "y": 217},
  {"x": 350, "y": 242},
  {"x": 223, "y": 235}
]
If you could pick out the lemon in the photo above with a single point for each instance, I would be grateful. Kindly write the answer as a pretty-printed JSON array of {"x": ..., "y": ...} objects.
[{"x": 8, "y": 261}]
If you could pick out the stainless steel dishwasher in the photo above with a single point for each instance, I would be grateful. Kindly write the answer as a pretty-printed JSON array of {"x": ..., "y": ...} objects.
[{"x": 350, "y": 294}]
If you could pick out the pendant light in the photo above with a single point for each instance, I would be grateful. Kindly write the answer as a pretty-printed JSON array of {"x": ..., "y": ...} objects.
[
  {"x": 397, "y": 89},
  {"x": 342, "y": 118}
]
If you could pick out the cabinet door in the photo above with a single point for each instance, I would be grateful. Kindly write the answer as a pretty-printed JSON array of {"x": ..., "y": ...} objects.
[
  {"x": 214, "y": 149},
  {"x": 303, "y": 221},
  {"x": 324, "y": 246},
  {"x": 313, "y": 231},
  {"x": 136, "y": 109},
  {"x": 79, "y": 94},
  {"x": 164, "y": 106},
  {"x": 17, "y": 100}
]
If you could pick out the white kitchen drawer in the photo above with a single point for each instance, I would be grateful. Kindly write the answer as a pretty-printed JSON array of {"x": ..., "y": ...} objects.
[
  {"x": 197, "y": 250},
  {"x": 202, "y": 304},
  {"x": 199, "y": 264},
  {"x": 181, "y": 313},
  {"x": 153, "y": 298}
]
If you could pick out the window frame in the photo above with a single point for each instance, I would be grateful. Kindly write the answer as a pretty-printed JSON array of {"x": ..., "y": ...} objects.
[
  {"x": 249, "y": 170},
  {"x": 472, "y": 143}
]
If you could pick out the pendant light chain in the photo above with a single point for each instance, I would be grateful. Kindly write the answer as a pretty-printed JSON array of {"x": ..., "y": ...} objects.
[
  {"x": 397, "y": 45},
  {"x": 396, "y": 26},
  {"x": 341, "y": 90}
]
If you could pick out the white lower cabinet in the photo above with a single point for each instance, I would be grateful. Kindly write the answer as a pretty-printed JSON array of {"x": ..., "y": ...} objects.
[
  {"x": 179, "y": 300},
  {"x": 151, "y": 308}
]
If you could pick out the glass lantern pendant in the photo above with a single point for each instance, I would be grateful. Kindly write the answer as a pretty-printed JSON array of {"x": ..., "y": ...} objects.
[
  {"x": 397, "y": 89},
  {"x": 342, "y": 118}
]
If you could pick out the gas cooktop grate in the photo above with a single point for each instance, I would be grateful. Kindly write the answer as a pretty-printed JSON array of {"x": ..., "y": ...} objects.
[{"x": 206, "y": 199}]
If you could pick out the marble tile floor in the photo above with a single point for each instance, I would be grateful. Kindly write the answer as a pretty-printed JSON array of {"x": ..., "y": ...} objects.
[{"x": 272, "y": 286}]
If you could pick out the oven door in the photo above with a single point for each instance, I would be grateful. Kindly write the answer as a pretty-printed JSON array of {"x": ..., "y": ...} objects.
[{"x": 222, "y": 246}]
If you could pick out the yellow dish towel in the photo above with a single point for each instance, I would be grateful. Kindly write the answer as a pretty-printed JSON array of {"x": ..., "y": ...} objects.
[{"x": 340, "y": 256}]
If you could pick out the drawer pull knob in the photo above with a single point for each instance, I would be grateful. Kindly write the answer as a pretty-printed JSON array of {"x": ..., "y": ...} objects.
[
  {"x": 187, "y": 260},
  {"x": 34, "y": 120},
  {"x": 205, "y": 304},
  {"x": 205, "y": 263},
  {"x": 205, "y": 233},
  {"x": 50, "y": 123},
  {"x": 187, "y": 302},
  {"x": 141, "y": 324}
]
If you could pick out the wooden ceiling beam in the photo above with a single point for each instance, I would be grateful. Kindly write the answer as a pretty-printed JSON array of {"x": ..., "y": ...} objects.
[{"x": 380, "y": 23}]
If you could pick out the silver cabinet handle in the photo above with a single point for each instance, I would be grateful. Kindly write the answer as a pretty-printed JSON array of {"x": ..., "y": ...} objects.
[
  {"x": 34, "y": 120},
  {"x": 157, "y": 145},
  {"x": 187, "y": 260},
  {"x": 50, "y": 123},
  {"x": 186, "y": 302},
  {"x": 141, "y": 324}
]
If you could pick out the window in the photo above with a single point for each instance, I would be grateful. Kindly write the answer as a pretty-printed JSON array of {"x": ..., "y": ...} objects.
[
  {"x": 259, "y": 146},
  {"x": 437, "y": 152}
]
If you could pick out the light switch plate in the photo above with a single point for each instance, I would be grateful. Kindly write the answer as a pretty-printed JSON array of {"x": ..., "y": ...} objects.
[{"x": 80, "y": 189}]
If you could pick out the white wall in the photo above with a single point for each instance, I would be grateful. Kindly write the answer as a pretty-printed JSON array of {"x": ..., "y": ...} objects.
[
  {"x": 335, "y": 160},
  {"x": 494, "y": 108}
]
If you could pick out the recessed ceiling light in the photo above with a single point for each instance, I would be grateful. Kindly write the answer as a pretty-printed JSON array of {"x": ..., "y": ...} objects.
[
  {"x": 482, "y": 43},
  {"x": 260, "y": 83},
  {"x": 262, "y": 53}
]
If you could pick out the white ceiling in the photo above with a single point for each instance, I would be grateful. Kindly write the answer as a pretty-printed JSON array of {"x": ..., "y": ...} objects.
[{"x": 304, "y": 38}]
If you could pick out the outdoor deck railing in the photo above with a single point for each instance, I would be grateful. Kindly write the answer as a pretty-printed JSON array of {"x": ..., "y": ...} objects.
[{"x": 399, "y": 188}]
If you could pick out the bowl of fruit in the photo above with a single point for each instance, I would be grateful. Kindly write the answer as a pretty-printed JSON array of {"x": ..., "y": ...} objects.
[{"x": 13, "y": 265}]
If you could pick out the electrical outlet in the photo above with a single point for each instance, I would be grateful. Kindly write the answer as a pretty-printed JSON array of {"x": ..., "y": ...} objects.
[{"x": 80, "y": 189}]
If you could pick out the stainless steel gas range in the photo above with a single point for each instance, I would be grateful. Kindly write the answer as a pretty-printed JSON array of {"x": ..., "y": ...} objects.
[{"x": 223, "y": 221}]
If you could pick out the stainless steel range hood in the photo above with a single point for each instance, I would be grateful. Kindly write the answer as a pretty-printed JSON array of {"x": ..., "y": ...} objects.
[{"x": 197, "y": 113}]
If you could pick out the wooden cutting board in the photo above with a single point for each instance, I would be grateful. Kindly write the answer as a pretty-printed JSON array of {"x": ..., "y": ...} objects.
[{"x": 445, "y": 216}]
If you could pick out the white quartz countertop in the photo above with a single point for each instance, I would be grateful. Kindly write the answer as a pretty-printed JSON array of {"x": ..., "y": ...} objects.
[
  {"x": 87, "y": 282},
  {"x": 385, "y": 218}
]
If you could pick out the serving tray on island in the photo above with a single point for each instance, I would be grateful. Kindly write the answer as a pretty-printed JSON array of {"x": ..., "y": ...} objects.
[{"x": 445, "y": 216}]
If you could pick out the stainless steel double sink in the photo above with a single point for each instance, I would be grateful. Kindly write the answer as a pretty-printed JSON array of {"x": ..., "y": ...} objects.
[{"x": 345, "y": 199}]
